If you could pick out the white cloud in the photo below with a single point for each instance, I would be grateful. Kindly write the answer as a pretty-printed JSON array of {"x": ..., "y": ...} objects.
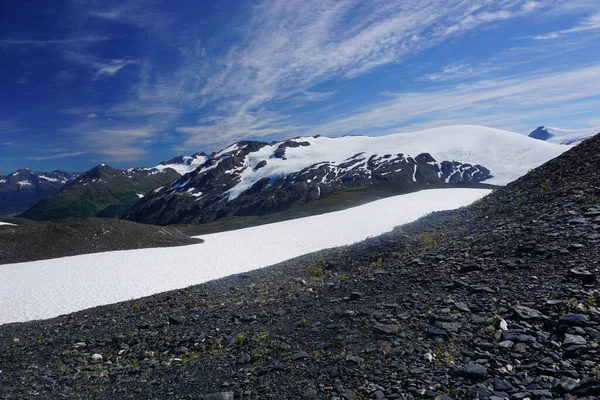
[
  {"x": 57, "y": 156},
  {"x": 289, "y": 46},
  {"x": 111, "y": 67},
  {"x": 591, "y": 22},
  {"x": 491, "y": 102},
  {"x": 99, "y": 66},
  {"x": 89, "y": 39}
]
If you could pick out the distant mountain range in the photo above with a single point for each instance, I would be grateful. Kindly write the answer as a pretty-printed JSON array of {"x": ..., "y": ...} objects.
[
  {"x": 252, "y": 178},
  {"x": 563, "y": 136},
  {"x": 23, "y": 188},
  {"x": 107, "y": 192},
  {"x": 257, "y": 178}
]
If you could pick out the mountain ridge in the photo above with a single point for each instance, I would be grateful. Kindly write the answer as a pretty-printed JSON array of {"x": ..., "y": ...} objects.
[
  {"x": 102, "y": 191},
  {"x": 22, "y": 188},
  {"x": 259, "y": 178}
]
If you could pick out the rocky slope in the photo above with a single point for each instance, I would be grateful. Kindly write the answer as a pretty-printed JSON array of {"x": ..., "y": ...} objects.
[
  {"x": 257, "y": 178},
  {"x": 498, "y": 300},
  {"x": 27, "y": 240},
  {"x": 100, "y": 192},
  {"x": 23, "y": 188}
]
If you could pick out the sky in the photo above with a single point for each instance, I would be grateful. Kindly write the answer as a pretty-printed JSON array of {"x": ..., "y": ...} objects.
[{"x": 131, "y": 83}]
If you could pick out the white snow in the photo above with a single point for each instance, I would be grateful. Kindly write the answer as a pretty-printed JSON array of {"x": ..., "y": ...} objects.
[
  {"x": 507, "y": 155},
  {"x": 24, "y": 183},
  {"x": 2, "y": 180},
  {"x": 7, "y": 223},
  {"x": 566, "y": 136},
  {"x": 140, "y": 195},
  {"x": 48, "y": 288},
  {"x": 48, "y": 178},
  {"x": 191, "y": 163}
]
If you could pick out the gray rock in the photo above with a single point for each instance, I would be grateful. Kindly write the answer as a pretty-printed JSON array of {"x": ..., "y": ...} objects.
[
  {"x": 574, "y": 319},
  {"x": 355, "y": 359},
  {"x": 567, "y": 384},
  {"x": 219, "y": 396},
  {"x": 299, "y": 354},
  {"x": 435, "y": 331},
  {"x": 589, "y": 388},
  {"x": 528, "y": 313},
  {"x": 386, "y": 329},
  {"x": 244, "y": 359},
  {"x": 573, "y": 340},
  {"x": 502, "y": 385},
  {"x": 474, "y": 371}
]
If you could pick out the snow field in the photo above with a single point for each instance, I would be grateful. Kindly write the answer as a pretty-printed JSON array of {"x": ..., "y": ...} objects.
[
  {"x": 507, "y": 155},
  {"x": 48, "y": 288}
]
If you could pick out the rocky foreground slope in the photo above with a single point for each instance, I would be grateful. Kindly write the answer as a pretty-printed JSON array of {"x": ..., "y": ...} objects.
[{"x": 495, "y": 301}]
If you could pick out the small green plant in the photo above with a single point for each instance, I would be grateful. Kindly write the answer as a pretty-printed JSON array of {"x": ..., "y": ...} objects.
[
  {"x": 590, "y": 301},
  {"x": 259, "y": 337},
  {"x": 240, "y": 338}
]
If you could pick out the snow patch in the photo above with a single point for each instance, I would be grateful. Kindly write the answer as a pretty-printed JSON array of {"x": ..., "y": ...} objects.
[
  {"x": 567, "y": 136},
  {"x": 48, "y": 178},
  {"x": 48, "y": 288},
  {"x": 7, "y": 223}
]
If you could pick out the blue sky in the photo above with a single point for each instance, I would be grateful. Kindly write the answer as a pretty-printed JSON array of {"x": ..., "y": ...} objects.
[{"x": 131, "y": 83}]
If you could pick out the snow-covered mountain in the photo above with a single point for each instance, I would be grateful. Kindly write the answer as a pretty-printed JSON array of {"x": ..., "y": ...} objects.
[
  {"x": 255, "y": 178},
  {"x": 24, "y": 187},
  {"x": 184, "y": 164},
  {"x": 563, "y": 136}
]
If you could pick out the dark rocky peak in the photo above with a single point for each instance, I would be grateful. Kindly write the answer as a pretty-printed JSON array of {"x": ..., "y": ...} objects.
[
  {"x": 242, "y": 148},
  {"x": 184, "y": 160},
  {"x": 99, "y": 172},
  {"x": 280, "y": 152},
  {"x": 540, "y": 133}
]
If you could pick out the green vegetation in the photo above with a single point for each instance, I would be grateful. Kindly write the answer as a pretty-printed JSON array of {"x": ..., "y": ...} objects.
[{"x": 102, "y": 191}]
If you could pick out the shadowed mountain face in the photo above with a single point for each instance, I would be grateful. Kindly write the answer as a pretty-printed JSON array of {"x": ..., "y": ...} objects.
[
  {"x": 100, "y": 192},
  {"x": 23, "y": 188},
  {"x": 496, "y": 300},
  {"x": 218, "y": 188}
]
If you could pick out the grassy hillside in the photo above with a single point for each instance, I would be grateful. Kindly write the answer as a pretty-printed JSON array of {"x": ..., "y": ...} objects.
[{"x": 98, "y": 189}]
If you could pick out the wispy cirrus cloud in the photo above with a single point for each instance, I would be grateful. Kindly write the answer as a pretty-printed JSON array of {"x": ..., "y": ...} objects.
[
  {"x": 490, "y": 102},
  {"x": 99, "y": 66},
  {"x": 590, "y": 23},
  {"x": 288, "y": 47},
  {"x": 57, "y": 156},
  {"x": 80, "y": 40}
]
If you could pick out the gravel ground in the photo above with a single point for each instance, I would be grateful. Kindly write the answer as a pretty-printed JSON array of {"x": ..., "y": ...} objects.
[
  {"x": 495, "y": 301},
  {"x": 30, "y": 241}
]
